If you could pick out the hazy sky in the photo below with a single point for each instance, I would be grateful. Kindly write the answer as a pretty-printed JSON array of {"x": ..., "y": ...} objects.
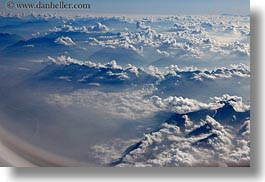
[
  {"x": 172, "y": 6},
  {"x": 157, "y": 6}
]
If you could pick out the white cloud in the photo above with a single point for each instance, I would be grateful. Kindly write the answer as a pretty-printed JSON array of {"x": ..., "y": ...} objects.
[
  {"x": 169, "y": 146},
  {"x": 140, "y": 25},
  {"x": 99, "y": 27},
  {"x": 239, "y": 70},
  {"x": 204, "y": 141},
  {"x": 64, "y": 60},
  {"x": 180, "y": 105},
  {"x": 204, "y": 138},
  {"x": 69, "y": 28},
  {"x": 164, "y": 53},
  {"x": 172, "y": 72},
  {"x": 128, "y": 104},
  {"x": 107, "y": 73},
  {"x": 185, "y": 105},
  {"x": 67, "y": 41},
  {"x": 235, "y": 101}
]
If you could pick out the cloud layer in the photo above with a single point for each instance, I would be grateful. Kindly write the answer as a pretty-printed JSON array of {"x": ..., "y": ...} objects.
[
  {"x": 67, "y": 67},
  {"x": 197, "y": 137}
]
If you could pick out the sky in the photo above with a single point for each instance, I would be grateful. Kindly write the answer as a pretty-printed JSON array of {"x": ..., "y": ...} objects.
[
  {"x": 240, "y": 7},
  {"x": 172, "y": 6}
]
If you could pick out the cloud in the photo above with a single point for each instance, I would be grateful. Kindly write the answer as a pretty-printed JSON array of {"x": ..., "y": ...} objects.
[
  {"x": 169, "y": 146},
  {"x": 67, "y": 41},
  {"x": 68, "y": 28},
  {"x": 234, "y": 101},
  {"x": 179, "y": 27},
  {"x": 193, "y": 73},
  {"x": 99, "y": 27},
  {"x": 185, "y": 105},
  {"x": 130, "y": 104},
  {"x": 188, "y": 132},
  {"x": 182, "y": 37},
  {"x": 164, "y": 53},
  {"x": 84, "y": 72},
  {"x": 141, "y": 25},
  {"x": 180, "y": 105},
  {"x": 207, "y": 25},
  {"x": 195, "y": 37},
  {"x": 197, "y": 137},
  {"x": 113, "y": 71},
  {"x": 63, "y": 60}
]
